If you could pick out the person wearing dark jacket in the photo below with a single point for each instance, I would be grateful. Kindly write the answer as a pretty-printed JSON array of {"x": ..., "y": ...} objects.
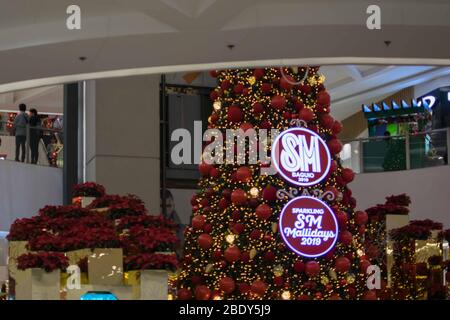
[
  {"x": 20, "y": 131},
  {"x": 35, "y": 135}
]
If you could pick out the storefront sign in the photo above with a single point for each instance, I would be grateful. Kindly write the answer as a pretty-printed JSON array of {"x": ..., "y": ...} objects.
[
  {"x": 308, "y": 226},
  {"x": 301, "y": 156}
]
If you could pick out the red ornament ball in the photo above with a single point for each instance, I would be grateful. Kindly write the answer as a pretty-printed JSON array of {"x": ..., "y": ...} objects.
[
  {"x": 238, "y": 228},
  {"x": 225, "y": 85},
  {"x": 323, "y": 99},
  {"x": 348, "y": 175},
  {"x": 227, "y": 285},
  {"x": 214, "y": 95},
  {"x": 304, "y": 297},
  {"x": 214, "y": 172},
  {"x": 234, "y": 114},
  {"x": 278, "y": 102},
  {"x": 258, "y": 73},
  {"x": 205, "y": 241},
  {"x": 363, "y": 265},
  {"x": 337, "y": 127},
  {"x": 198, "y": 221},
  {"x": 184, "y": 294},
  {"x": 239, "y": 197},
  {"x": 326, "y": 121},
  {"x": 342, "y": 264},
  {"x": 246, "y": 126},
  {"x": 278, "y": 281},
  {"x": 213, "y": 73},
  {"x": 345, "y": 237},
  {"x": 202, "y": 293},
  {"x": 342, "y": 218},
  {"x": 255, "y": 234},
  {"x": 269, "y": 193},
  {"x": 258, "y": 287},
  {"x": 335, "y": 146},
  {"x": 244, "y": 288},
  {"x": 312, "y": 268},
  {"x": 299, "y": 266},
  {"x": 287, "y": 82},
  {"x": 263, "y": 211},
  {"x": 232, "y": 254},
  {"x": 370, "y": 295},
  {"x": 361, "y": 217},
  {"x": 204, "y": 168},
  {"x": 257, "y": 108},
  {"x": 266, "y": 87},
  {"x": 306, "y": 114},
  {"x": 243, "y": 174},
  {"x": 238, "y": 88}
]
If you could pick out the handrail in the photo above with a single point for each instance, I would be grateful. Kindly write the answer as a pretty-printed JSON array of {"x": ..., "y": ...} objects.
[
  {"x": 396, "y": 136},
  {"x": 36, "y": 128}
]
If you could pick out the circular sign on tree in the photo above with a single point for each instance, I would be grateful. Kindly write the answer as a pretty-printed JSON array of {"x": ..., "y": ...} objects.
[
  {"x": 301, "y": 156},
  {"x": 308, "y": 226}
]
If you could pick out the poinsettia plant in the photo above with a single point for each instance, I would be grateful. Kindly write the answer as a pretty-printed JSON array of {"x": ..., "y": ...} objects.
[
  {"x": 399, "y": 200},
  {"x": 70, "y": 211},
  {"x": 126, "y": 208},
  {"x": 114, "y": 199},
  {"x": 148, "y": 239},
  {"x": 88, "y": 189},
  {"x": 427, "y": 223},
  {"x": 410, "y": 232},
  {"x": 49, "y": 261},
  {"x": 160, "y": 221},
  {"x": 151, "y": 261},
  {"x": 25, "y": 229}
]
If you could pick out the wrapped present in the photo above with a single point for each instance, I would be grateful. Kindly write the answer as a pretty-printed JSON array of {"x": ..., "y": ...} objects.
[
  {"x": 148, "y": 284},
  {"x": 37, "y": 284},
  {"x": 105, "y": 266},
  {"x": 15, "y": 249}
]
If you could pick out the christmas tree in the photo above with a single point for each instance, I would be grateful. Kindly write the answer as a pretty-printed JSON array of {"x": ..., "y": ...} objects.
[{"x": 237, "y": 246}]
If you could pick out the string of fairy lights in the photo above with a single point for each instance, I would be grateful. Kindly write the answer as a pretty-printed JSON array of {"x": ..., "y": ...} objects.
[{"x": 265, "y": 268}]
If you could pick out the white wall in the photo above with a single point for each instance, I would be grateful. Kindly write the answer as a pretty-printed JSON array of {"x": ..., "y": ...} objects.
[
  {"x": 429, "y": 189},
  {"x": 25, "y": 188}
]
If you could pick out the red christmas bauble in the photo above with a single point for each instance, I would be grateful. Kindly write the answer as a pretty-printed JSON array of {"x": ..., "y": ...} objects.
[
  {"x": 306, "y": 114},
  {"x": 337, "y": 127},
  {"x": 278, "y": 102},
  {"x": 259, "y": 287},
  {"x": 205, "y": 241},
  {"x": 232, "y": 254},
  {"x": 207, "y": 228},
  {"x": 342, "y": 264},
  {"x": 373, "y": 251},
  {"x": 226, "y": 194},
  {"x": 257, "y": 108},
  {"x": 369, "y": 295},
  {"x": 245, "y": 257},
  {"x": 333, "y": 166},
  {"x": 345, "y": 237},
  {"x": 348, "y": 175},
  {"x": 263, "y": 211},
  {"x": 305, "y": 89},
  {"x": 198, "y": 221},
  {"x": 363, "y": 265},
  {"x": 194, "y": 200},
  {"x": 255, "y": 234},
  {"x": 238, "y": 88},
  {"x": 202, "y": 293},
  {"x": 214, "y": 95},
  {"x": 234, "y": 114},
  {"x": 236, "y": 215},
  {"x": 342, "y": 218},
  {"x": 312, "y": 268},
  {"x": 269, "y": 256},
  {"x": 246, "y": 126},
  {"x": 304, "y": 297},
  {"x": 326, "y": 121},
  {"x": 244, "y": 288},
  {"x": 196, "y": 280},
  {"x": 223, "y": 203},
  {"x": 323, "y": 99},
  {"x": 298, "y": 105},
  {"x": 287, "y": 82},
  {"x": 258, "y": 73},
  {"x": 243, "y": 174},
  {"x": 265, "y": 124},
  {"x": 335, "y": 146},
  {"x": 266, "y": 88},
  {"x": 213, "y": 73},
  {"x": 278, "y": 281},
  {"x": 184, "y": 294},
  {"x": 269, "y": 193},
  {"x": 227, "y": 285},
  {"x": 239, "y": 197},
  {"x": 225, "y": 85},
  {"x": 214, "y": 172},
  {"x": 299, "y": 266},
  {"x": 238, "y": 228},
  {"x": 217, "y": 254},
  {"x": 361, "y": 217},
  {"x": 204, "y": 168}
]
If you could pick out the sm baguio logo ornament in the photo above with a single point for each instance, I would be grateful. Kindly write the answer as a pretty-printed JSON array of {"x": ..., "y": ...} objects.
[
  {"x": 301, "y": 156},
  {"x": 308, "y": 226}
]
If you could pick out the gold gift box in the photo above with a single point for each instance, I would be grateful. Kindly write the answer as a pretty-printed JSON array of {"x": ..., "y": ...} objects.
[{"x": 37, "y": 284}]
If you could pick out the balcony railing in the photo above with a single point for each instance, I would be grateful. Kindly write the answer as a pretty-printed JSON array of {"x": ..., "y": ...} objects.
[
  {"x": 394, "y": 153},
  {"x": 49, "y": 145}
]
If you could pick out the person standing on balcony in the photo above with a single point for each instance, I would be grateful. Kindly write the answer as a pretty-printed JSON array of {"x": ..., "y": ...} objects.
[
  {"x": 20, "y": 131},
  {"x": 35, "y": 135}
]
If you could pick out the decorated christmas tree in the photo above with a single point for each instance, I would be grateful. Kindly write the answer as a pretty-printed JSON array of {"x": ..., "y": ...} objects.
[{"x": 288, "y": 234}]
